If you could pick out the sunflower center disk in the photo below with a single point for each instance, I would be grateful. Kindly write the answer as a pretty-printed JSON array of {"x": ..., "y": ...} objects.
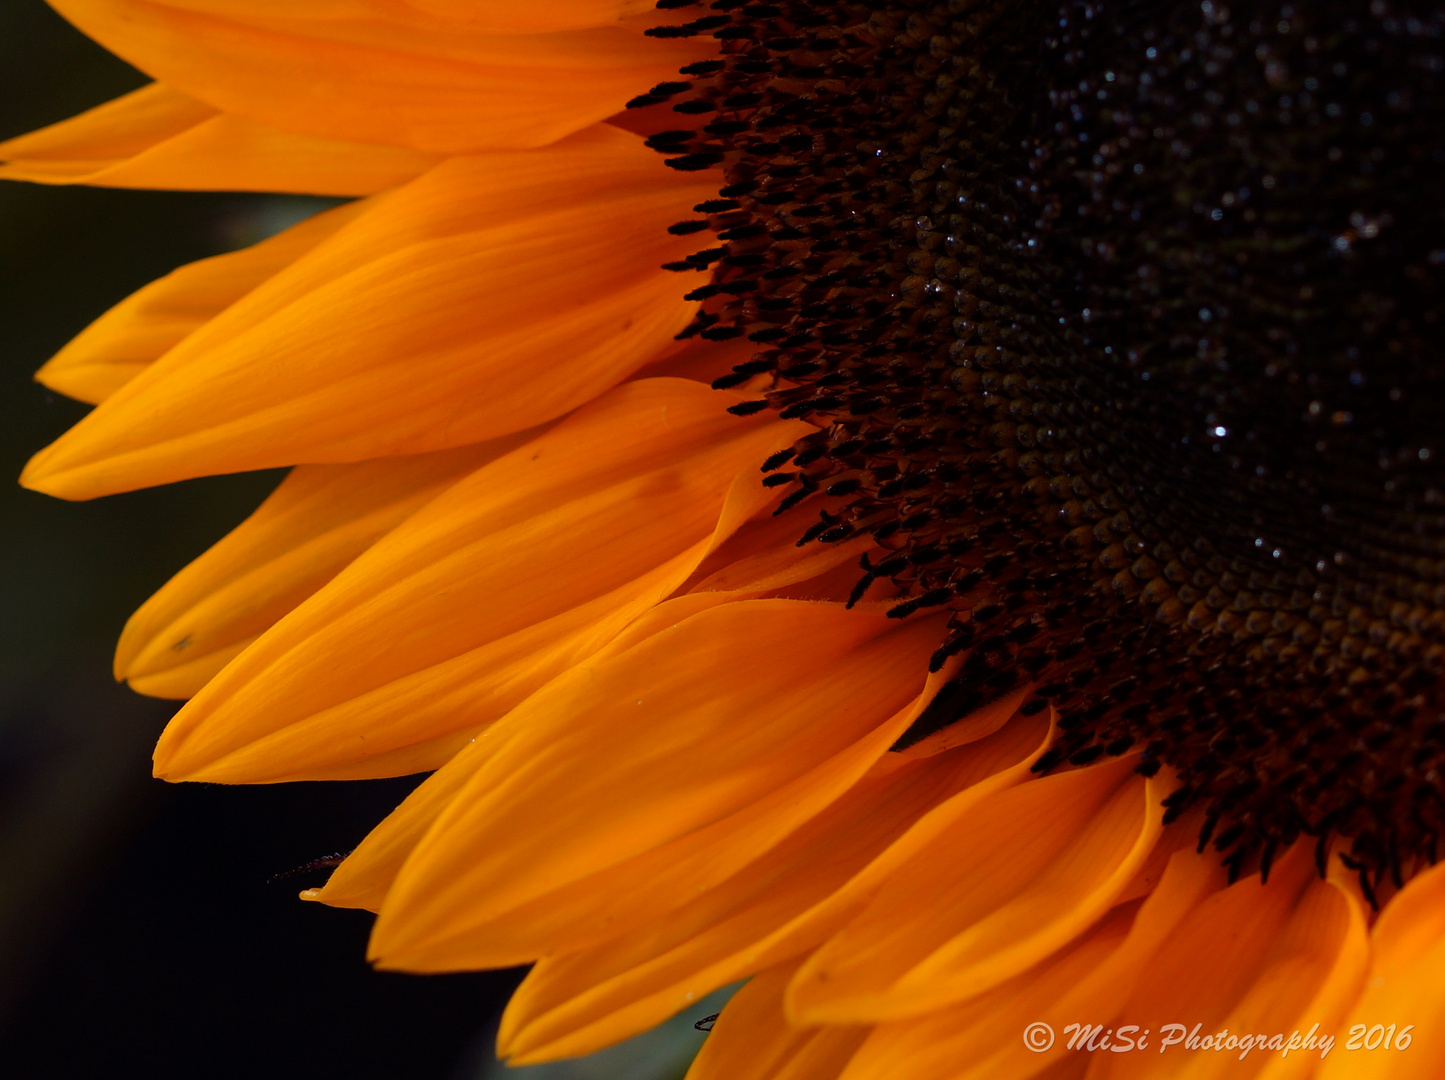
[{"x": 1119, "y": 320}]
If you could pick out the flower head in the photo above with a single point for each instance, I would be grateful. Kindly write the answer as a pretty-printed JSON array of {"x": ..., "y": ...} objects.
[{"x": 928, "y": 506}]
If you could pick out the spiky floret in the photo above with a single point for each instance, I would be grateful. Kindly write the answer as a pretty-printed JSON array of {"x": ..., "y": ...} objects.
[{"x": 1119, "y": 323}]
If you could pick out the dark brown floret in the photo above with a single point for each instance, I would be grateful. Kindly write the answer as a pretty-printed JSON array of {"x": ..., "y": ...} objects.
[{"x": 1120, "y": 323}]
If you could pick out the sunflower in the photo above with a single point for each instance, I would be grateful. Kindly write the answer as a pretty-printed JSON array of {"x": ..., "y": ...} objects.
[{"x": 929, "y": 506}]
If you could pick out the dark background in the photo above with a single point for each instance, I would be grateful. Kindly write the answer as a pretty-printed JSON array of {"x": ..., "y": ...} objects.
[{"x": 138, "y": 935}]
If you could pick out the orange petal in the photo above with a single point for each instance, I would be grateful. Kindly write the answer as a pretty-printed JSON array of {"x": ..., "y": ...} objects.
[
  {"x": 764, "y": 553},
  {"x": 1257, "y": 961},
  {"x": 1009, "y": 883},
  {"x": 366, "y": 875},
  {"x": 750, "y": 1039},
  {"x": 124, "y": 341},
  {"x": 382, "y": 341},
  {"x": 1069, "y": 1068},
  {"x": 827, "y": 917},
  {"x": 440, "y": 79},
  {"x": 497, "y": 16},
  {"x": 699, "y": 359},
  {"x": 957, "y": 1042},
  {"x": 823, "y": 1056},
  {"x": 119, "y": 129},
  {"x": 417, "y": 722},
  {"x": 1187, "y": 880},
  {"x": 1089, "y": 979},
  {"x": 638, "y": 480},
  {"x": 317, "y": 521},
  {"x": 157, "y": 137},
  {"x": 577, "y": 1002},
  {"x": 684, "y": 735},
  {"x": 1403, "y": 993}
]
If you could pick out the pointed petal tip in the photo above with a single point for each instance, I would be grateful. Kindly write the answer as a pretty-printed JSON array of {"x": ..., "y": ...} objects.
[
  {"x": 400, "y": 944},
  {"x": 42, "y": 476},
  {"x": 381, "y": 948},
  {"x": 163, "y": 757},
  {"x": 44, "y": 373},
  {"x": 167, "y": 770},
  {"x": 383, "y": 957},
  {"x": 122, "y": 664},
  {"x": 177, "y": 767},
  {"x": 60, "y": 479},
  {"x": 170, "y": 763},
  {"x": 36, "y": 477}
]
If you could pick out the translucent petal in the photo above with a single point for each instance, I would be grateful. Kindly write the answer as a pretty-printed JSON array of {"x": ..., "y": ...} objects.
[
  {"x": 674, "y": 745},
  {"x": 157, "y": 137},
  {"x": 129, "y": 337},
  {"x": 436, "y": 78},
  {"x": 576, "y": 1002},
  {"x": 481, "y": 595},
  {"x": 491, "y": 295},
  {"x": 313, "y": 525},
  {"x": 1015, "y": 879}
]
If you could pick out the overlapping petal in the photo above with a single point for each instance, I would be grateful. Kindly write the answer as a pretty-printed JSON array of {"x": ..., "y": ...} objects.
[
  {"x": 368, "y": 873},
  {"x": 318, "y": 520},
  {"x": 1252, "y": 960},
  {"x": 482, "y": 593},
  {"x": 1011, "y": 881},
  {"x": 1086, "y": 982},
  {"x": 1402, "y": 990},
  {"x": 661, "y": 744},
  {"x": 493, "y": 16},
  {"x": 441, "y": 78},
  {"x": 129, "y": 337},
  {"x": 751, "y": 1040},
  {"x": 703, "y": 746},
  {"x": 577, "y": 1002},
  {"x": 493, "y": 294},
  {"x": 966, "y": 1040},
  {"x": 157, "y": 137}
]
